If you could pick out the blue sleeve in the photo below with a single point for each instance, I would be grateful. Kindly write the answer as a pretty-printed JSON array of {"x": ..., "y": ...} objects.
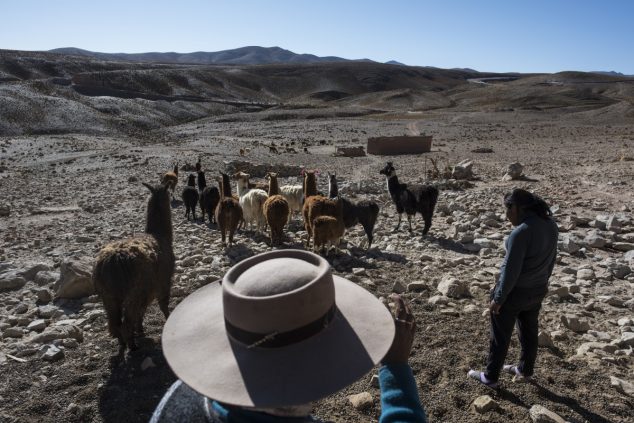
[
  {"x": 511, "y": 268},
  {"x": 399, "y": 395}
]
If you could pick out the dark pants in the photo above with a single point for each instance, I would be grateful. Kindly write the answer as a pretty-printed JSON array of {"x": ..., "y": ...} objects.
[{"x": 521, "y": 307}]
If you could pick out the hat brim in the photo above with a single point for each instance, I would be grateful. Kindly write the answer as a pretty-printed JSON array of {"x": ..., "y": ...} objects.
[{"x": 203, "y": 356}]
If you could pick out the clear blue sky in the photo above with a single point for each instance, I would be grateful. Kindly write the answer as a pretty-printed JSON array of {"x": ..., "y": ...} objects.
[{"x": 487, "y": 35}]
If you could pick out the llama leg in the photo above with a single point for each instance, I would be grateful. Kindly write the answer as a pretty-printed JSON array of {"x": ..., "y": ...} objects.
[
  {"x": 427, "y": 217},
  {"x": 163, "y": 303},
  {"x": 409, "y": 220},
  {"x": 398, "y": 225},
  {"x": 114, "y": 313},
  {"x": 127, "y": 328}
]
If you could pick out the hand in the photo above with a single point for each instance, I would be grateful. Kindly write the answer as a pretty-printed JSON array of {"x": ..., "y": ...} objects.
[
  {"x": 404, "y": 337},
  {"x": 494, "y": 307}
]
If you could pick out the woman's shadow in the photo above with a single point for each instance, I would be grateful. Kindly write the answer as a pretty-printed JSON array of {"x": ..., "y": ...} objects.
[{"x": 131, "y": 394}]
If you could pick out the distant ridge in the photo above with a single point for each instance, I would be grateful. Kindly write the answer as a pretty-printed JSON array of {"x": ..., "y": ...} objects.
[
  {"x": 612, "y": 73},
  {"x": 251, "y": 55}
]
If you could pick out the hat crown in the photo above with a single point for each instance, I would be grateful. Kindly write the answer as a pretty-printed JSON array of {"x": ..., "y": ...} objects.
[
  {"x": 277, "y": 291},
  {"x": 275, "y": 276}
]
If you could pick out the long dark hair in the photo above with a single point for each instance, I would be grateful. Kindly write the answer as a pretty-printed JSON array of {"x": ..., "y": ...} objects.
[{"x": 528, "y": 201}]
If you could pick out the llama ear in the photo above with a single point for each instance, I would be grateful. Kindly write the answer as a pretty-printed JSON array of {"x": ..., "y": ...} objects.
[
  {"x": 301, "y": 172},
  {"x": 148, "y": 186}
]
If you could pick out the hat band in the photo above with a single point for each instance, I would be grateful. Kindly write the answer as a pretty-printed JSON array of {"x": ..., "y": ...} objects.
[{"x": 281, "y": 339}]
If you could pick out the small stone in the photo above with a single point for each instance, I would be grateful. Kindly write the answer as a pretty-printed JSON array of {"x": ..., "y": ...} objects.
[
  {"x": 37, "y": 325},
  {"x": 627, "y": 339},
  {"x": 43, "y": 295},
  {"x": 398, "y": 287},
  {"x": 484, "y": 403},
  {"x": 416, "y": 286},
  {"x": 358, "y": 271},
  {"x": 53, "y": 353},
  {"x": 48, "y": 311},
  {"x": 11, "y": 280},
  {"x": 20, "y": 308},
  {"x": 573, "y": 323},
  {"x": 544, "y": 339},
  {"x": 585, "y": 274},
  {"x": 374, "y": 381},
  {"x": 147, "y": 363},
  {"x": 438, "y": 300},
  {"x": 451, "y": 287},
  {"x": 13, "y": 332},
  {"x": 623, "y": 386},
  {"x": 361, "y": 401},
  {"x": 540, "y": 414}
]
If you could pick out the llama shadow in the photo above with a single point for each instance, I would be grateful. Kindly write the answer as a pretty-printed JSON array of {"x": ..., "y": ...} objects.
[
  {"x": 131, "y": 394},
  {"x": 448, "y": 244},
  {"x": 176, "y": 203},
  {"x": 377, "y": 254}
]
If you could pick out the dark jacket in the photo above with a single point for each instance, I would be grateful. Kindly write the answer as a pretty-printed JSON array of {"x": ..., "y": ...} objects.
[{"x": 531, "y": 251}]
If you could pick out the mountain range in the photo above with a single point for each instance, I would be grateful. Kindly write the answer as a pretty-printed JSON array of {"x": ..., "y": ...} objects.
[{"x": 251, "y": 55}]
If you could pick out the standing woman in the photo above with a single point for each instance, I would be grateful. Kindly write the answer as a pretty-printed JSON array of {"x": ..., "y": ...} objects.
[{"x": 531, "y": 251}]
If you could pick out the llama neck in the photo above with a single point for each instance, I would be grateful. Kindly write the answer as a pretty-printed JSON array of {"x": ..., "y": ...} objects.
[
  {"x": 392, "y": 184},
  {"x": 274, "y": 188},
  {"x": 225, "y": 187},
  {"x": 242, "y": 189},
  {"x": 310, "y": 186},
  {"x": 333, "y": 189},
  {"x": 159, "y": 220}
]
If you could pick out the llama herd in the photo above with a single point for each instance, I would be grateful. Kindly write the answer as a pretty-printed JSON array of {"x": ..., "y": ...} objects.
[{"x": 129, "y": 274}]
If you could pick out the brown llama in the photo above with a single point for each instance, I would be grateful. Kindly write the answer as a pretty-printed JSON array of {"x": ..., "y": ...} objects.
[
  {"x": 171, "y": 179},
  {"x": 131, "y": 273},
  {"x": 228, "y": 212},
  {"x": 314, "y": 205},
  {"x": 276, "y": 210}
]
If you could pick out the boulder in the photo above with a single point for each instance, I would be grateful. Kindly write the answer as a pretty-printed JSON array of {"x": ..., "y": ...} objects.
[
  {"x": 453, "y": 288},
  {"x": 75, "y": 279},
  {"x": 544, "y": 339}
]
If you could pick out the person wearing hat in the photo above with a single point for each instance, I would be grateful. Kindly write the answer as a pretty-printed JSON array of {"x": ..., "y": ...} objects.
[
  {"x": 531, "y": 251},
  {"x": 279, "y": 333}
]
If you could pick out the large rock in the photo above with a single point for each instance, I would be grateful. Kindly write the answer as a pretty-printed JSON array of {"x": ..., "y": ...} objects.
[
  {"x": 629, "y": 256},
  {"x": 30, "y": 273},
  {"x": 453, "y": 288},
  {"x": 595, "y": 240},
  {"x": 58, "y": 332},
  {"x": 567, "y": 244},
  {"x": 463, "y": 170},
  {"x": 75, "y": 279},
  {"x": 514, "y": 171},
  {"x": 10, "y": 280},
  {"x": 623, "y": 246},
  {"x": 573, "y": 323},
  {"x": 540, "y": 414}
]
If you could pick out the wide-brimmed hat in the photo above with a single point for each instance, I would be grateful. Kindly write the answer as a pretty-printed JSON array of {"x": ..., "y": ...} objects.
[{"x": 280, "y": 330}]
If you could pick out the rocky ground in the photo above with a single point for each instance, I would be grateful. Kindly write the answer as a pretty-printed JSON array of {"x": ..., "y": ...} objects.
[{"x": 64, "y": 196}]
